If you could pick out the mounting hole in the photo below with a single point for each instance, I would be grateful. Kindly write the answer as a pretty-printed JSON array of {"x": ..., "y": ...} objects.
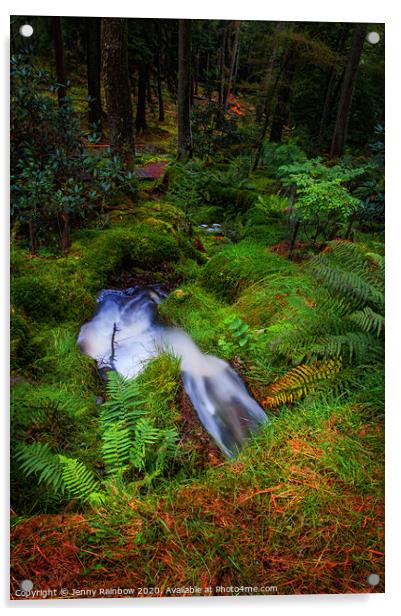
[
  {"x": 26, "y": 30},
  {"x": 373, "y": 579},
  {"x": 26, "y": 585},
  {"x": 373, "y": 37}
]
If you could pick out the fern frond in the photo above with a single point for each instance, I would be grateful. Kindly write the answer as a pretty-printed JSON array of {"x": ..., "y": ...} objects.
[
  {"x": 78, "y": 480},
  {"x": 38, "y": 459},
  {"x": 300, "y": 381},
  {"x": 115, "y": 447},
  {"x": 349, "y": 285},
  {"x": 348, "y": 273},
  {"x": 369, "y": 320},
  {"x": 146, "y": 437},
  {"x": 125, "y": 403}
]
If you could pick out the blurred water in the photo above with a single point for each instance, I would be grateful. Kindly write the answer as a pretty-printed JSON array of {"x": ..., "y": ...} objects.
[{"x": 124, "y": 334}]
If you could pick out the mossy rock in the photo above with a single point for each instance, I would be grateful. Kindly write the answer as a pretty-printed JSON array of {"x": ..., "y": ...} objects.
[
  {"x": 38, "y": 297},
  {"x": 52, "y": 293},
  {"x": 120, "y": 249},
  {"x": 232, "y": 199},
  {"x": 23, "y": 348},
  {"x": 268, "y": 234}
]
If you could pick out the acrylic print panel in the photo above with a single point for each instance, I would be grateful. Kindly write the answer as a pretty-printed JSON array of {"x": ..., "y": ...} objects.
[{"x": 197, "y": 215}]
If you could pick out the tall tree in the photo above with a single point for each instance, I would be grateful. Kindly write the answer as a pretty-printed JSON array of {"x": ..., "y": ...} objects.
[
  {"x": 282, "y": 109},
  {"x": 93, "y": 64},
  {"x": 271, "y": 83},
  {"x": 184, "y": 89},
  {"x": 117, "y": 88},
  {"x": 222, "y": 65},
  {"x": 159, "y": 86},
  {"x": 332, "y": 79},
  {"x": 143, "y": 80},
  {"x": 347, "y": 89},
  {"x": 234, "y": 53},
  {"x": 60, "y": 62}
]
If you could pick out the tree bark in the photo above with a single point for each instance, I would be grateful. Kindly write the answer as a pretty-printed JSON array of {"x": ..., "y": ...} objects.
[
  {"x": 159, "y": 88},
  {"x": 184, "y": 85},
  {"x": 347, "y": 90},
  {"x": 117, "y": 88},
  {"x": 93, "y": 63},
  {"x": 60, "y": 62},
  {"x": 270, "y": 91},
  {"x": 65, "y": 239},
  {"x": 143, "y": 77},
  {"x": 331, "y": 86},
  {"x": 237, "y": 31},
  {"x": 222, "y": 68},
  {"x": 282, "y": 110}
]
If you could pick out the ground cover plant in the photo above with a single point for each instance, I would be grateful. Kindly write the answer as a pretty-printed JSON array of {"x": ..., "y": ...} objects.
[{"x": 265, "y": 231}]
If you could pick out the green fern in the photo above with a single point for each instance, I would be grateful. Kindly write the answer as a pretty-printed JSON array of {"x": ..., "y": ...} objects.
[
  {"x": 38, "y": 459},
  {"x": 62, "y": 474},
  {"x": 146, "y": 436},
  {"x": 369, "y": 321},
  {"x": 125, "y": 403},
  {"x": 77, "y": 479},
  {"x": 345, "y": 323},
  {"x": 116, "y": 446}
]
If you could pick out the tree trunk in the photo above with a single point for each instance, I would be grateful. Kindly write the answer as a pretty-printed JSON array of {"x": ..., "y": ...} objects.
[
  {"x": 270, "y": 91},
  {"x": 331, "y": 86},
  {"x": 117, "y": 88},
  {"x": 184, "y": 84},
  {"x": 60, "y": 63},
  {"x": 237, "y": 30},
  {"x": 347, "y": 89},
  {"x": 282, "y": 110},
  {"x": 143, "y": 78},
  {"x": 196, "y": 74},
  {"x": 222, "y": 63},
  {"x": 65, "y": 239},
  {"x": 93, "y": 63},
  {"x": 295, "y": 230},
  {"x": 33, "y": 244},
  {"x": 159, "y": 88}
]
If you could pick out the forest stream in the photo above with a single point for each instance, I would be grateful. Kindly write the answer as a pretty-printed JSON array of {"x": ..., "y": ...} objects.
[{"x": 124, "y": 334}]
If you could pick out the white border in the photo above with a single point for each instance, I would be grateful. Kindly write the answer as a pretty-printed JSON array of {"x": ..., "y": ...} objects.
[{"x": 296, "y": 10}]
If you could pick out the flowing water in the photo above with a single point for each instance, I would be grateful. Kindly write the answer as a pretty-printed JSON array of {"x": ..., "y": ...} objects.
[{"x": 124, "y": 334}]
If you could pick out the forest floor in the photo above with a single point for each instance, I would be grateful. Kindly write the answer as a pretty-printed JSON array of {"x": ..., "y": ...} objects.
[{"x": 301, "y": 508}]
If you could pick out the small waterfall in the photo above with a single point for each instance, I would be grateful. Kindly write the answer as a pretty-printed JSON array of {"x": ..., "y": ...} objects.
[{"x": 124, "y": 334}]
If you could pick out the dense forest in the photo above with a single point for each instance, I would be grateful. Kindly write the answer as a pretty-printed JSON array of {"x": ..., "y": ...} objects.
[{"x": 233, "y": 173}]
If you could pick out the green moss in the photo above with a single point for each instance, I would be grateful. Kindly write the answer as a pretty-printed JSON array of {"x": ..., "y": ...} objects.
[
  {"x": 277, "y": 297},
  {"x": 22, "y": 347},
  {"x": 51, "y": 290},
  {"x": 232, "y": 199},
  {"x": 121, "y": 249},
  {"x": 64, "y": 363},
  {"x": 238, "y": 265},
  {"x": 199, "y": 313},
  {"x": 159, "y": 385},
  {"x": 268, "y": 234}
]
